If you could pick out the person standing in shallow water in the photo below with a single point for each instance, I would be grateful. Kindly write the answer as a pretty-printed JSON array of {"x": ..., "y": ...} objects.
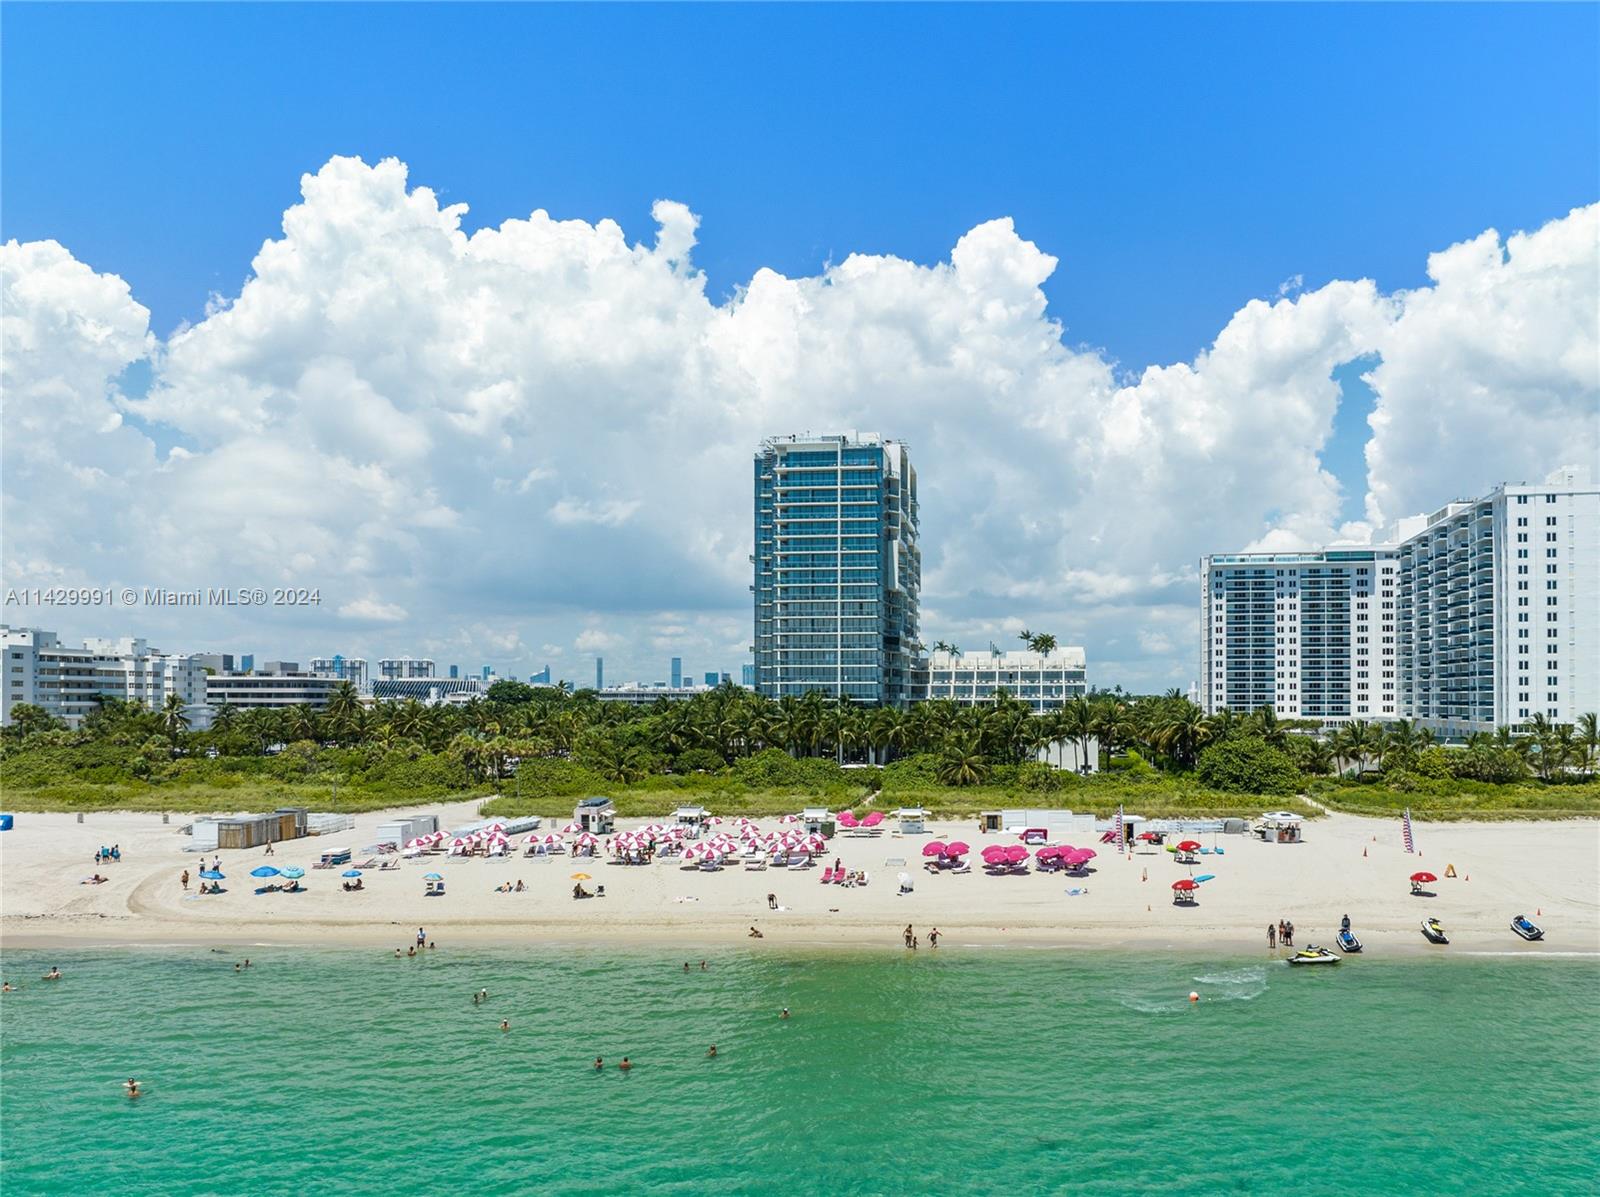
[{"x": 1272, "y": 936}]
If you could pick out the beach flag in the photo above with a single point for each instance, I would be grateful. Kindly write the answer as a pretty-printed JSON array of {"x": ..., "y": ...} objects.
[
  {"x": 1120, "y": 841},
  {"x": 1405, "y": 830}
]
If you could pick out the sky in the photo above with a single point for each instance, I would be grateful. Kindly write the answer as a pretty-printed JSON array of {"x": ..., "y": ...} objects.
[{"x": 1135, "y": 284}]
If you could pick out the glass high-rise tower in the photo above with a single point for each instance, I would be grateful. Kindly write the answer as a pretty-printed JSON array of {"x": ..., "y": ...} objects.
[{"x": 838, "y": 570}]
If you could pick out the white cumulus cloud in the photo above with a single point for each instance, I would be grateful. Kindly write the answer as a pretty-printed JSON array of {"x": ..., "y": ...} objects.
[{"x": 540, "y": 433}]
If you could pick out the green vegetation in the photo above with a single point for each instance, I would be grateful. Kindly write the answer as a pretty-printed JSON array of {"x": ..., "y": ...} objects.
[{"x": 534, "y": 750}]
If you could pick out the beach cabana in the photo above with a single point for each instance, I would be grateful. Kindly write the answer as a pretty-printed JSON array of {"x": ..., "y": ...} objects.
[
  {"x": 913, "y": 820},
  {"x": 692, "y": 819},
  {"x": 597, "y": 816},
  {"x": 1280, "y": 827}
]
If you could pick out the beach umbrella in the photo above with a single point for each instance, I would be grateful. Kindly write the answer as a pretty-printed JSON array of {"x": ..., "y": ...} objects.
[
  {"x": 351, "y": 873},
  {"x": 1086, "y": 853},
  {"x": 873, "y": 819},
  {"x": 1414, "y": 877},
  {"x": 1047, "y": 853},
  {"x": 1205, "y": 877},
  {"x": 1076, "y": 857},
  {"x": 294, "y": 872},
  {"x": 211, "y": 874},
  {"x": 936, "y": 848},
  {"x": 957, "y": 848},
  {"x": 432, "y": 877},
  {"x": 1016, "y": 853},
  {"x": 1147, "y": 836},
  {"x": 847, "y": 818},
  {"x": 1189, "y": 846},
  {"x": 994, "y": 852},
  {"x": 790, "y": 819},
  {"x": 1185, "y": 884},
  {"x": 581, "y": 877},
  {"x": 263, "y": 871}
]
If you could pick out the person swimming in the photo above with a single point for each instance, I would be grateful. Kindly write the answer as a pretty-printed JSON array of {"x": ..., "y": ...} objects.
[
  {"x": 625, "y": 1065},
  {"x": 53, "y": 975},
  {"x": 5, "y": 987},
  {"x": 784, "y": 1013},
  {"x": 505, "y": 1024},
  {"x": 599, "y": 1063},
  {"x": 712, "y": 1054},
  {"x": 132, "y": 1086}
]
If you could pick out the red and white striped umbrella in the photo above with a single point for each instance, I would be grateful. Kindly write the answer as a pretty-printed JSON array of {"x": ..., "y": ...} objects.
[{"x": 571, "y": 827}]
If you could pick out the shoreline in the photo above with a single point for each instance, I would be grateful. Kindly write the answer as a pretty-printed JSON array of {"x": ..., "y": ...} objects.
[{"x": 1347, "y": 865}]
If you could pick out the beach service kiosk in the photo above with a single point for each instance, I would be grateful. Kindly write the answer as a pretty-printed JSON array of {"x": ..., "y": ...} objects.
[
  {"x": 817, "y": 820},
  {"x": 1280, "y": 827},
  {"x": 692, "y": 819},
  {"x": 597, "y": 816},
  {"x": 913, "y": 820}
]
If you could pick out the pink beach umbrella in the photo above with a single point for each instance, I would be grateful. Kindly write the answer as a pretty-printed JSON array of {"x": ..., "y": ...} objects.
[
  {"x": 936, "y": 848},
  {"x": 1084, "y": 854},
  {"x": 1016, "y": 853},
  {"x": 994, "y": 853},
  {"x": 1047, "y": 853},
  {"x": 957, "y": 848},
  {"x": 847, "y": 818},
  {"x": 873, "y": 819}
]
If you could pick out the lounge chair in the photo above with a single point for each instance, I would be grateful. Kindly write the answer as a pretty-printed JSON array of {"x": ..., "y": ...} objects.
[
  {"x": 827, "y": 875},
  {"x": 839, "y": 875},
  {"x": 755, "y": 865},
  {"x": 800, "y": 862}
]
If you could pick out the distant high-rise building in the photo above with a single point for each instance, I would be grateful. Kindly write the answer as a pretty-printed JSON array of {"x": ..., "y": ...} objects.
[
  {"x": 838, "y": 571},
  {"x": 542, "y": 678},
  {"x": 247, "y": 662},
  {"x": 599, "y": 673},
  {"x": 349, "y": 669},
  {"x": 1479, "y": 615},
  {"x": 677, "y": 672},
  {"x": 403, "y": 667},
  {"x": 712, "y": 678},
  {"x": 747, "y": 676},
  {"x": 455, "y": 671}
]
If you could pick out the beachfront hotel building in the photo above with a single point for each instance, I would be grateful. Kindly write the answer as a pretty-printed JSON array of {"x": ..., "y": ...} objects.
[
  {"x": 1481, "y": 614},
  {"x": 1045, "y": 681},
  {"x": 69, "y": 682},
  {"x": 838, "y": 570}
]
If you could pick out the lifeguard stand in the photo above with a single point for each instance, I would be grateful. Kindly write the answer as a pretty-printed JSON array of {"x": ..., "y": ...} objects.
[{"x": 597, "y": 816}]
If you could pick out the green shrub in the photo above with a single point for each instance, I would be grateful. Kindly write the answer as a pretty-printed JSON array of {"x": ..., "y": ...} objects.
[
  {"x": 698, "y": 760},
  {"x": 1247, "y": 765}
]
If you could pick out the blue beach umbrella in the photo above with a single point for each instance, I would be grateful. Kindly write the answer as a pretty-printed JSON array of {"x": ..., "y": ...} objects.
[
  {"x": 211, "y": 874},
  {"x": 432, "y": 877},
  {"x": 1206, "y": 877},
  {"x": 263, "y": 871},
  {"x": 351, "y": 873},
  {"x": 294, "y": 872}
]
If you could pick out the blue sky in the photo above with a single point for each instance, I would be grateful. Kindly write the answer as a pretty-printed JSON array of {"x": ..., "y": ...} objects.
[{"x": 1178, "y": 160}]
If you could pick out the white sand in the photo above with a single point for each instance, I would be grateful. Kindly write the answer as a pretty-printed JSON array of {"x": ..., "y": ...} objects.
[{"x": 1549, "y": 871}]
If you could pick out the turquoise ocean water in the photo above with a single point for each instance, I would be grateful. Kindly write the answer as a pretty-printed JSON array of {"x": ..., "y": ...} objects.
[{"x": 963, "y": 1071}]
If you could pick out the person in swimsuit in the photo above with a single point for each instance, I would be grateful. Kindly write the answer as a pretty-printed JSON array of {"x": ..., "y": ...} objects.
[
  {"x": 712, "y": 1054},
  {"x": 598, "y": 1063},
  {"x": 625, "y": 1065}
]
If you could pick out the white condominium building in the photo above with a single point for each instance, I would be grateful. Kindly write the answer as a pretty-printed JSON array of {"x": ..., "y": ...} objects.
[
  {"x": 1045, "y": 681},
  {"x": 1311, "y": 635},
  {"x": 1500, "y": 608},
  {"x": 1482, "y": 614},
  {"x": 403, "y": 667},
  {"x": 69, "y": 682},
  {"x": 275, "y": 684}
]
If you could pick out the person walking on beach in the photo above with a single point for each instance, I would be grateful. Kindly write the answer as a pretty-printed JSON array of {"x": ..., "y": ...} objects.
[
  {"x": 1272, "y": 936},
  {"x": 908, "y": 935},
  {"x": 772, "y": 901},
  {"x": 933, "y": 938},
  {"x": 184, "y": 879},
  {"x": 268, "y": 852}
]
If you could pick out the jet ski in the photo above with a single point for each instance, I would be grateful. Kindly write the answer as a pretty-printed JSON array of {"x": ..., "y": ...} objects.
[
  {"x": 1311, "y": 954},
  {"x": 1527, "y": 930},
  {"x": 1434, "y": 930},
  {"x": 1348, "y": 942}
]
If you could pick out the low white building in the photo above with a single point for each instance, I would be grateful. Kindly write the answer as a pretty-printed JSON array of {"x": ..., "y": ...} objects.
[
  {"x": 69, "y": 682},
  {"x": 278, "y": 688},
  {"x": 1045, "y": 681}
]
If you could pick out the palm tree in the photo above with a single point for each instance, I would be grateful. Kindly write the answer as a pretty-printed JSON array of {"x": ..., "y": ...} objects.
[
  {"x": 1356, "y": 741},
  {"x": 174, "y": 720},
  {"x": 1044, "y": 644},
  {"x": 1077, "y": 723},
  {"x": 1185, "y": 732},
  {"x": 1401, "y": 743},
  {"x": 962, "y": 764},
  {"x": 225, "y": 715},
  {"x": 1589, "y": 738}
]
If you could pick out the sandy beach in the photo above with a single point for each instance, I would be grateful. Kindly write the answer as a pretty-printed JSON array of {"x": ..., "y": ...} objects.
[{"x": 1549, "y": 871}]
